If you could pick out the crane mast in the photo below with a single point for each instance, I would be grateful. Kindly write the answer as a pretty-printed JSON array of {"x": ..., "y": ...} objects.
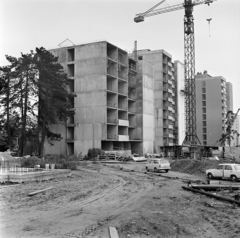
[
  {"x": 191, "y": 137},
  {"x": 189, "y": 71}
]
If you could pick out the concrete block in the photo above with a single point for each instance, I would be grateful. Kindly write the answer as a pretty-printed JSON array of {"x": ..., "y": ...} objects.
[
  {"x": 90, "y": 83},
  {"x": 88, "y": 51},
  {"x": 91, "y": 99},
  {"x": 93, "y": 66}
]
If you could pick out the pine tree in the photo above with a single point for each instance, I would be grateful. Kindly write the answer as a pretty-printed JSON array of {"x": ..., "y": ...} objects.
[{"x": 53, "y": 95}]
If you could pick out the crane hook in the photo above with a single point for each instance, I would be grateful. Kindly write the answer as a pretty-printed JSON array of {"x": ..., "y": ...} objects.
[{"x": 209, "y": 19}]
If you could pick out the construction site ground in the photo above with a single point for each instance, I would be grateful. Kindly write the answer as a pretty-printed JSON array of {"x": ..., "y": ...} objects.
[{"x": 102, "y": 195}]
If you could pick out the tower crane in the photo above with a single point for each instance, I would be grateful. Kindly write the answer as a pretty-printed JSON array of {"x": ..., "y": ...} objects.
[{"x": 191, "y": 137}]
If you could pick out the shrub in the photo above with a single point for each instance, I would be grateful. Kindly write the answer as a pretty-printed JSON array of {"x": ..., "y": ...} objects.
[
  {"x": 94, "y": 152},
  {"x": 29, "y": 162}
]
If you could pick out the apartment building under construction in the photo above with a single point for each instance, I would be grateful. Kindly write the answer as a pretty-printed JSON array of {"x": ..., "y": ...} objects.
[{"x": 121, "y": 103}]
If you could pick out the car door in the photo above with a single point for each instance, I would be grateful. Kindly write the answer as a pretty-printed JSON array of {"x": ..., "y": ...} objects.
[
  {"x": 227, "y": 171},
  {"x": 218, "y": 172},
  {"x": 151, "y": 165}
]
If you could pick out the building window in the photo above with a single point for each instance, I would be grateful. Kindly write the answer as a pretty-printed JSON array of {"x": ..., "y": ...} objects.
[
  {"x": 139, "y": 57},
  {"x": 205, "y": 137},
  {"x": 203, "y": 84},
  {"x": 204, "y": 103},
  {"x": 204, "y": 123},
  {"x": 205, "y": 142},
  {"x": 204, "y": 117},
  {"x": 203, "y": 90},
  {"x": 204, "y": 130},
  {"x": 204, "y": 97},
  {"x": 204, "y": 110}
]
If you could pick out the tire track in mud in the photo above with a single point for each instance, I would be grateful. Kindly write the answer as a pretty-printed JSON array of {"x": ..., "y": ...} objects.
[{"x": 118, "y": 200}]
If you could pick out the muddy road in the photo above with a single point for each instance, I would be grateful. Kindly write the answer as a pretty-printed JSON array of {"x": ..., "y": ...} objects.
[{"x": 98, "y": 196}]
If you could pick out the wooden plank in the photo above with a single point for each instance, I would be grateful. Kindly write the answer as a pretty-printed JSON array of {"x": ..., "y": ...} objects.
[
  {"x": 9, "y": 186},
  {"x": 39, "y": 191},
  {"x": 113, "y": 232}
]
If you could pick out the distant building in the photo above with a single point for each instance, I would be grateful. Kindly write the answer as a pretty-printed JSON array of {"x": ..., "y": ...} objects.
[
  {"x": 121, "y": 103},
  {"x": 229, "y": 94},
  {"x": 211, "y": 107}
]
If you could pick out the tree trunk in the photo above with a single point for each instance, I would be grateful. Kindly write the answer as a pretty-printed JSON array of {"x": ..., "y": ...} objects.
[
  {"x": 43, "y": 134},
  {"x": 8, "y": 114},
  {"x": 24, "y": 121}
]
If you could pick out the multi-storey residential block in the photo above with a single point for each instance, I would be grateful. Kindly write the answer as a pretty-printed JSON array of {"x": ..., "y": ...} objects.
[
  {"x": 229, "y": 92},
  {"x": 113, "y": 107},
  {"x": 121, "y": 103},
  {"x": 164, "y": 97},
  {"x": 211, "y": 108}
]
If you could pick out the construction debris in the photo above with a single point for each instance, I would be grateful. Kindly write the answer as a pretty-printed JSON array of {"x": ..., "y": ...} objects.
[
  {"x": 211, "y": 187},
  {"x": 39, "y": 191},
  {"x": 212, "y": 195},
  {"x": 113, "y": 232}
]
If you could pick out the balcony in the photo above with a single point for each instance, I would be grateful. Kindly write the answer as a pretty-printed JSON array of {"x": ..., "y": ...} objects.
[
  {"x": 170, "y": 90},
  {"x": 111, "y": 137},
  {"x": 170, "y": 126},
  {"x": 123, "y": 122},
  {"x": 111, "y": 120},
  {"x": 169, "y": 72},
  {"x": 123, "y": 137},
  {"x": 122, "y": 107},
  {"x": 165, "y": 79},
  {"x": 170, "y": 136},
  {"x": 111, "y": 104},
  {"x": 169, "y": 81},
  {"x": 123, "y": 92},
  {"x": 131, "y": 110},
  {"x": 169, "y": 64}
]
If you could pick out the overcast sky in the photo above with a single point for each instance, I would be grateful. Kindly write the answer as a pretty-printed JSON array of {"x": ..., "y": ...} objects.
[{"x": 27, "y": 24}]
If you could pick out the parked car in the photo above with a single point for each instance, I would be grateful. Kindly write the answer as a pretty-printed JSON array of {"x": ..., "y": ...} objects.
[
  {"x": 228, "y": 171},
  {"x": 158, "y": 165}
]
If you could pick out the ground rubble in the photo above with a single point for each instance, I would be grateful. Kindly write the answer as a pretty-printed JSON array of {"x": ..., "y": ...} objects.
[{"x": 98, "y": 196}]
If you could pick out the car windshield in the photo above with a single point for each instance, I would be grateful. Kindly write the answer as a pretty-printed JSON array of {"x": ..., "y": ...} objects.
[
  {"x": 163, "y": 161},
  {"x": 237, "y": 167}
]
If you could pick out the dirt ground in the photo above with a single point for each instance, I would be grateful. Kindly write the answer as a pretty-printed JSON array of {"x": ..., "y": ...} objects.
[{"x": 98, "y": 196}]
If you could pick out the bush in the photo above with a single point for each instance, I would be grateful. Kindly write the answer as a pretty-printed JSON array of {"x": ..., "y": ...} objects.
[
  {"x": 60, "y": 161},
  {"x": 94, "y": 152},
  {"x": 29, "y": 162}
]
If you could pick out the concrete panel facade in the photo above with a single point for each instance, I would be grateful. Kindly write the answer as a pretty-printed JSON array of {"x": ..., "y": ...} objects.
[
  {"x": 211, "y": 108},
  {"x": 119, "y": 102}
]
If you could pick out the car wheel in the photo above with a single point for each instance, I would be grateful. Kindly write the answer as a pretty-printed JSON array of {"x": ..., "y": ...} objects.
[
  {"x": 166, "y": 170},
  {"x": 147, "y": 169},
  {"x": 155, "y": 170},
  {"x": 210, "y": 176},
  {"x": 234, "y": 178}
]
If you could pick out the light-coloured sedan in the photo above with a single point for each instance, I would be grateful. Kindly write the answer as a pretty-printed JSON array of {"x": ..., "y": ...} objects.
[
  {"x": 227, "y": 171},
  {"x": 158, "y": 165}
]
